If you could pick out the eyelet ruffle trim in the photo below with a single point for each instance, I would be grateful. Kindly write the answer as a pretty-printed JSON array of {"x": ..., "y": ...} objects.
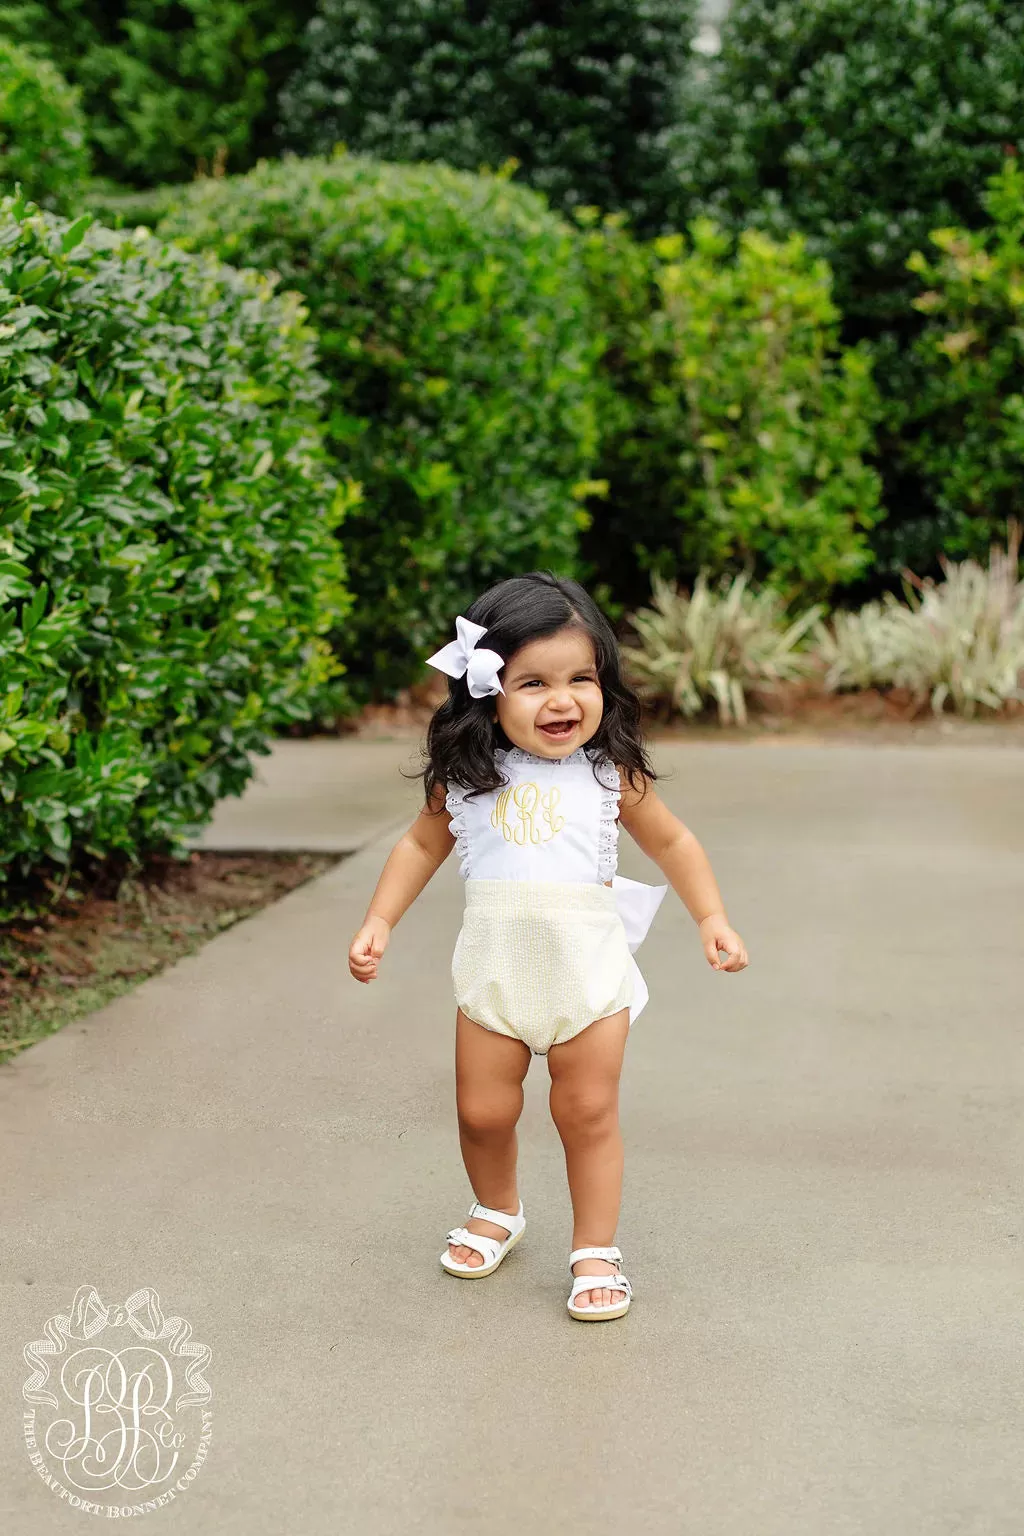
[
  {"x": 517, "y": 757},
  {"x": 455, "y": 805},
  {"x": 608, "y": 833}
]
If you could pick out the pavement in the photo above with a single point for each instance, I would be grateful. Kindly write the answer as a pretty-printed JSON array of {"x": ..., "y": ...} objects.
[
  {"x": 325, "y": 795},
  {"x": 821, "y": 1215}
]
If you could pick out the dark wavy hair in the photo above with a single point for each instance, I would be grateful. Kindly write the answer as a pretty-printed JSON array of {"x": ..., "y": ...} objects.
[{"x": 464, "y": 732}]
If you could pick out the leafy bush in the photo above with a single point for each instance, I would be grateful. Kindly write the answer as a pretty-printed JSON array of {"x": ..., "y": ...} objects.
[
  {"x": 739, "y": 429},
  {"x": 42, "y": 130},
  {"x": 169, "y": 84},
  {"x": 863, "y": 125},
  {"x": 167, "y": 558},
  {"x": 456, "y": 337},
  {"x": 579, "y": 95},
  {"x": 124, "y": 208},
  {"x": 718, "y": 643},
  {"x": 959, "y": 641},
  {"x": 963, "y": 430}
]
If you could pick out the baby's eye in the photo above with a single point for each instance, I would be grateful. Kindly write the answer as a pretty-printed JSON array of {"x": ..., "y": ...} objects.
[{"x": 581, "y": 678}]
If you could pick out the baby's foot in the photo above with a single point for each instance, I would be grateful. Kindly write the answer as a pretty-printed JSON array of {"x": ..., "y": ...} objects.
[
  {"x": 463, "y": 1255},
  {"x": 600, "y": 1296}
]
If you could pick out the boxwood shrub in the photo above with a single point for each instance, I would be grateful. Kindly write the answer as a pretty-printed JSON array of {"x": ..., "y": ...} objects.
[
  {"x": 42, "y": 130},
  {"x": 168, "y": 85},
  {"x": 579, "y": 95},
  {"x": 455, "y": 332},
  {"x": 962, "y": 431},
  {"x": 865, "y": 126},
  {"x": 168, "y": 559},
  {"x": 738, "y": 432}
]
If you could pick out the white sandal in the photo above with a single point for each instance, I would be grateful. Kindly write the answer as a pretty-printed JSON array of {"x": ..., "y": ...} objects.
[
  {"x": 616, "y": 1282},
  {"x": 489, "y": 1248}
]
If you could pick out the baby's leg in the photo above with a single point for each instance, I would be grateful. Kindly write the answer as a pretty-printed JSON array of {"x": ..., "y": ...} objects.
[
  {"x": 489, "y": 1073},
  {"x": 584, "y": 1102}
]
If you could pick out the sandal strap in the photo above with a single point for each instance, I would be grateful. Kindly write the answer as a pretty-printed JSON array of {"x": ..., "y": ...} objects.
[
  {"x": 611, "y": 1255},
  {"x": 500, "y": 1218},
  {"x": 600, "y": 1283},
  {"x": 487, "y": 1247}
]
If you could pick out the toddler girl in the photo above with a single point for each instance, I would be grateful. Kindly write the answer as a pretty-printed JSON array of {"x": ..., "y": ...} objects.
[{"x": 532, "y": 763}]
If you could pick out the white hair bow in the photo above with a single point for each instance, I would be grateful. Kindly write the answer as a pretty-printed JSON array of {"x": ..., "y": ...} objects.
[{"x": 460, "y": 658}]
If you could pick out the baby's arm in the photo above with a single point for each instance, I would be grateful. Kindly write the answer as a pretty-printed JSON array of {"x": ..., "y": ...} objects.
[
  {"x": 418, "y": 854},
  {"x": 676, "y": 851}
]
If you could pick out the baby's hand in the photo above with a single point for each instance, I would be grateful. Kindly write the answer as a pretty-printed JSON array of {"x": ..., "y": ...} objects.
[
  {"x": 367, "y": 947},
  {"x": 715, "y": 934}
]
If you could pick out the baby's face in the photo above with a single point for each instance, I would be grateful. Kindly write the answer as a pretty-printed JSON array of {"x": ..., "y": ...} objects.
[{"x": 552, "y": 703}]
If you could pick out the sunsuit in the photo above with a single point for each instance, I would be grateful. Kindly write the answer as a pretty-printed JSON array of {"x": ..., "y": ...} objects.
[{"x": 546, "y": 946}]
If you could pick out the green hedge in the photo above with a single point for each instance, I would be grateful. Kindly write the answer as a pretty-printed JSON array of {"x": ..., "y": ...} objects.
[
  {"x": 168, "y": 86},
  {"x": 738, "y": 429},
  {"x": 864, "y": 125},
  {"x": 963, "y": 430},
  {"x": 579, "y": 95},
  {"x": 42, "y": 131},
  {"x": 168, "y": 563},
  {"x": 455, "y": 331}
]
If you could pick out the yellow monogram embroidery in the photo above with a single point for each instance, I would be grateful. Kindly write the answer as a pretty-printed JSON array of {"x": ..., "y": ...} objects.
[{"x": 518, "y": 809}]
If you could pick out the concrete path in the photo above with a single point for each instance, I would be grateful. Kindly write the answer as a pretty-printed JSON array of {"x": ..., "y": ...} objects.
[
  {"x": 821, "y": 1219},
  {"x": 328, "y": 795}
]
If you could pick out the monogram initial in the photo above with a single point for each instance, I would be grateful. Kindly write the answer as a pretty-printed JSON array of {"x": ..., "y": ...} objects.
[{"x": 526, "y": 814}]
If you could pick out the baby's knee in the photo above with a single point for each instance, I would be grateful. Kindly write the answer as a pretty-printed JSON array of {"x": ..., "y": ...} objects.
[
  {"x": 584, "y": 1110},
  {"x": 489, "y": 1114}
]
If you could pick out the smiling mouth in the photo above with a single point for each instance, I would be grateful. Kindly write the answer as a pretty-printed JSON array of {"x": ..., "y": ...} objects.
[{"x": 559, "y": 728}]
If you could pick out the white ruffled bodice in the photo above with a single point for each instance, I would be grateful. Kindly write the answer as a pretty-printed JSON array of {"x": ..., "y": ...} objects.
[{"x": 556, "y": 819}]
